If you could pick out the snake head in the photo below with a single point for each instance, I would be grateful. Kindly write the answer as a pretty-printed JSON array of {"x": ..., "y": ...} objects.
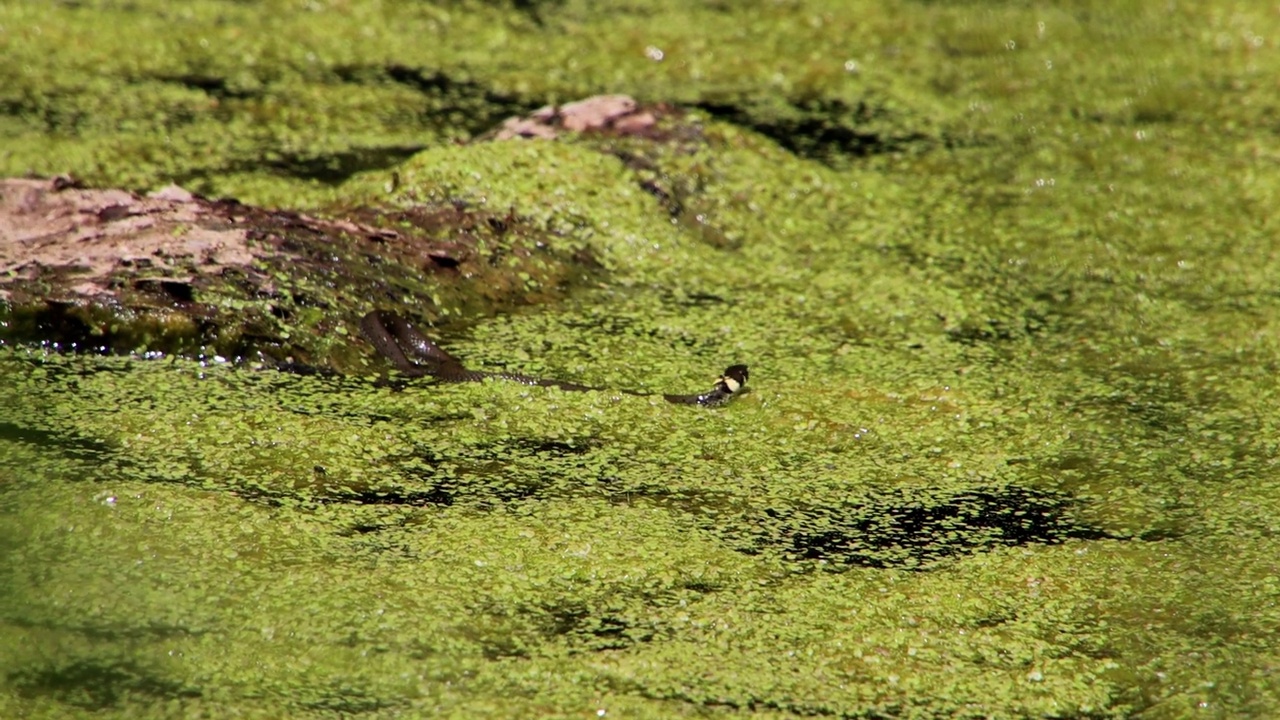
[{"x": 734, "y": 377}]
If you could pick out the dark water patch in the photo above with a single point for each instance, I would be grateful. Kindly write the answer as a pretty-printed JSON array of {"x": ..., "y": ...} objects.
[
  {"x": 98, "y": 683},
  {"x": 345, "y": 701},
  {"x": 336, "y": 167},
  {"x": 375, "y": 526},
  {"x": 537, "y": 12},
  {"x": 544, "y": 447},
  {"x": 574, "y": 617},
  {"x": 697, "y": 300},
  {"x": 483, "y": 475},
  {"x": 113, "y": 632},
  {"x": 823, "y": 129},
  {"x": 461, "y": 103},
  {"x": 215, "y": 86},
  {"x": 65, "y": 443},
  {"x": 400, "y": 497},
  {"x": 613, "y": 626},
  {"x": 691, "y": 501},
  {"x": 1158, "y": 405},
  {"x": 509, "y": 448},
  {"x": 996, "y": 330},
  {"x": 586, "y": 622},
  {"x": 948, "y": 261},
  {"x": 900, "y": 529},
  {"x": 55, "y": 111}
]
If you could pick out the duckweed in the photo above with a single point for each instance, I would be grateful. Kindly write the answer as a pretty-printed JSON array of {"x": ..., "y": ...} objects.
[{"x": 1009, "y": 449}]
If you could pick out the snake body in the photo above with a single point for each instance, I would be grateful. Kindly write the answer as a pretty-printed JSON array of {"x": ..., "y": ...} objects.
[{"x": 393, "y": 336}]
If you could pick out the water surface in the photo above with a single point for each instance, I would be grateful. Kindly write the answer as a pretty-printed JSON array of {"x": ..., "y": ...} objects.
[{"x": 1009, "y": 450}]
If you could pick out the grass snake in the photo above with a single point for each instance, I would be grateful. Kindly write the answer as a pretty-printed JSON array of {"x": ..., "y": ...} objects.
[{"x": 397, "y": 339}]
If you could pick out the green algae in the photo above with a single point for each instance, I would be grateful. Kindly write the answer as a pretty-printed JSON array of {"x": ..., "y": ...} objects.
[
  {"x": 308, "y": 97},
  {"x": 1009, "y": 450}
]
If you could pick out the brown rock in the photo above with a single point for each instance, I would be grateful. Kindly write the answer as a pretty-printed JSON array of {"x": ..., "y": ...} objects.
[
  {"x": 615, "y": 113},
  {"x": 51, "y": 225}
]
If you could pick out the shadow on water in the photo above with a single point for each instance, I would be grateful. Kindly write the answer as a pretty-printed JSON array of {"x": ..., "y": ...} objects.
[
  {"x": 899, "y": 529},
  {"x": 97, "y": 683},
  {"x": 68, "y": 445}
]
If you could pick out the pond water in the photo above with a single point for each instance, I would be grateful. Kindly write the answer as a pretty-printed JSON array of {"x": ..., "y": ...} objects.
[{"x": 1009, "y": 448}]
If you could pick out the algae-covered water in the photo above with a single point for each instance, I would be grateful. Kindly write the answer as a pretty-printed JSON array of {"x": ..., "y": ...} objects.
[{"x": 1010, "y": 448}]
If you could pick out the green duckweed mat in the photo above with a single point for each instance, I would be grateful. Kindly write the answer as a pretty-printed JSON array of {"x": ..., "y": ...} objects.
[{"x": 1005, "y": 274}]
